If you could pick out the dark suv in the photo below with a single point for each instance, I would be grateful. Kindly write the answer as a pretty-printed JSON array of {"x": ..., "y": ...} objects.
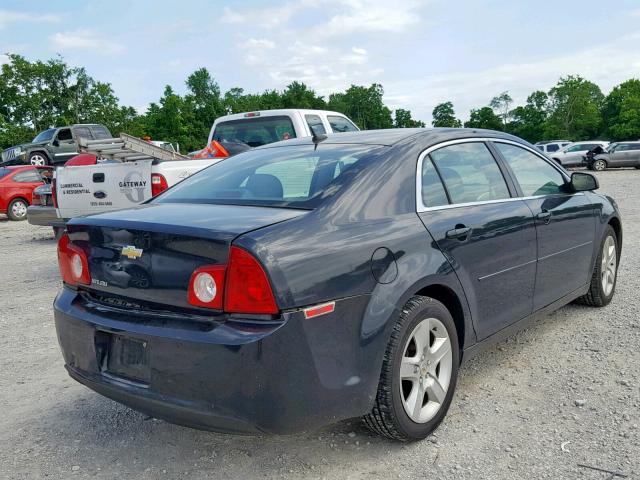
[{"x": 53, "y": 146}]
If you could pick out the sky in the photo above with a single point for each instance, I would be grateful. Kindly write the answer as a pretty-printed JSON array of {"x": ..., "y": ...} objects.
[{"x": 423, "y": 52}]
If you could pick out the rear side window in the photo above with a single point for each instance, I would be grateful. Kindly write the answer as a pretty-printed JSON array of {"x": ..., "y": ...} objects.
[
  {"x": 298, "y": 177},
  {"x": 315, "y": 124},
  {"x": 470, "y": 173},
  {"x": 255, "y": 131},
  {"x": 100, "y": 132},
  {"x": 83, "y": 132},
  {"x": 29, "y": 176},
  {"x": 552, "y": 147},
  {"x": 535, "y": 175},
  {"x": 433, "y": 192},
  {"x": 341, "y": 124}
]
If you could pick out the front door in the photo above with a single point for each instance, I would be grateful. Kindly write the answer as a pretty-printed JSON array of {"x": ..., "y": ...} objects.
[
  {"x": 64, "y": 146},
  {"x": 565, "y": 224},
  {"x": 488, "y": 236}
]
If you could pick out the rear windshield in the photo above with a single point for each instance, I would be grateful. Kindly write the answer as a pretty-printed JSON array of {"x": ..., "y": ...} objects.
[
  {"x": 45, "y": 136},
  {"x": 296, "y": 177},
  {"x": 255, "y": 131}
]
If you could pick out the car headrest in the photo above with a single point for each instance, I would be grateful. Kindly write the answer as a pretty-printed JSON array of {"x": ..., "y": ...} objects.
[{"x": 263, "y": 185}]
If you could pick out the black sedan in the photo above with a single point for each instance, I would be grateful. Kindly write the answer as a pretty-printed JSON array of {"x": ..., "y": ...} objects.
[{"x": 314, "y": 280}]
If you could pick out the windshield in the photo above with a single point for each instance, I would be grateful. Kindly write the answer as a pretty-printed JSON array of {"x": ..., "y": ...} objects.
[
  {"x": 45, "y": 136},
  {"x": 296, "y": 177},
  {"x": 255, "y": 131}
]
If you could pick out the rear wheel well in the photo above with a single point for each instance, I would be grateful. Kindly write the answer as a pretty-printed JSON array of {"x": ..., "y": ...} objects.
[
  {"x": 617, "y": 227},
  {"x": 450, "y": 300}
]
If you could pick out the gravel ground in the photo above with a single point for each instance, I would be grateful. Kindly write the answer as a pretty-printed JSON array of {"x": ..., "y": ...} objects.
[{"x": 562, "y": 393}]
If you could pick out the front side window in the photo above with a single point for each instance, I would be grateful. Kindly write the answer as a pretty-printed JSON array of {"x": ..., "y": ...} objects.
[
  {"x": 552, "y": 148},
  {"x": 535, "y": 175},
  {"x": 297, "y": 177},
  {"x": 576, "y": 148},
  {"x": 315, "y": 124},
  {"x": 470, "y": 173},
  {"x": 64, "y": 134},
  {"x": 255, "y": 131},
  {"x": 341, "y": 124}
]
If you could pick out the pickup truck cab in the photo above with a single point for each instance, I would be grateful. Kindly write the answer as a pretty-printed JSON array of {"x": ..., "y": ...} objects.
[
  {"x": 53, "y": 146},
  {"x": 268, "y": 126}
]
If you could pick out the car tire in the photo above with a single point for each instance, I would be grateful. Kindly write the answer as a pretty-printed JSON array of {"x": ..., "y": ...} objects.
[
  {"x": 58, "y": 232},
  {"x": 17, "y": 210},
  {"x": 38, "y": 159},
  {"x": 600, "y": 292},
  {"x": 390, "y": 415},
  {"x": 599, "y": 165},
  {"x": 557, "y": 161}
]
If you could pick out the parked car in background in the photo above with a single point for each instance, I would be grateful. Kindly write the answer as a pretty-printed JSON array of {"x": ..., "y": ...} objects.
[
  {"x": 53, "y": 146},
  {"x": 573, "y": 155},
  {"x": 551, "y": 146},
  {"x": 16, "y": 188},
  {"x": 315, "y": 280},
  {"x": 267, "y": 126},
  {"x": 619, "y": 154}
]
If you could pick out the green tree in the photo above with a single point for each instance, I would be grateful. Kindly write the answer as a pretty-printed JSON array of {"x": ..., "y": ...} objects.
[
  {"x": 298, "y": 95},
  {"x": 204, "y": 100},
  {"x": 621, "y": 111},
  {"x": 575, "y": 105},
  {"x": 502, "y": 104},
  {"x": 528, "y": 121},
  {"x": 403, "y": 119},
  {"x": 171, "y": 119},
  {"x": 363, "y": 105},
  {"x": 444, "y": 116},
  {"x": 484, "y": 117}
]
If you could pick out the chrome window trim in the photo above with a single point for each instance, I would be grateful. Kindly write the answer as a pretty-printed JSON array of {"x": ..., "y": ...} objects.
[{"x": 420, "y": 207}]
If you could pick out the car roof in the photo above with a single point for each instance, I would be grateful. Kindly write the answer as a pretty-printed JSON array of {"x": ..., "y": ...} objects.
[
  {"x": 276, "y": 112},
  {"x": 393, "y": 136}
]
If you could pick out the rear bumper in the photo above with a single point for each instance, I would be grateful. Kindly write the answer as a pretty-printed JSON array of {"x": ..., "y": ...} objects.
[
  {"x": 44, "y": 216},
  {"x": 234, "y": 377}
]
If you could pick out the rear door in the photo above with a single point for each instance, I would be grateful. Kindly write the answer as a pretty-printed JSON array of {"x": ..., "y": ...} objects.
[
  {"x": 565, "y": 223},
  {"x": 466, "y": 202},
  {"x": 87, "y": 189}
]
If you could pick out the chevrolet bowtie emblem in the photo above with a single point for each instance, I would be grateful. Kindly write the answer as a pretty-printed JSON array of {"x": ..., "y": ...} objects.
[{"x": 131, "y": 252}]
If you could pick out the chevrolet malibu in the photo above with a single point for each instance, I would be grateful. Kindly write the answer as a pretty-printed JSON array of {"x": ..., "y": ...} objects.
[{"x": 315, "y": 280}]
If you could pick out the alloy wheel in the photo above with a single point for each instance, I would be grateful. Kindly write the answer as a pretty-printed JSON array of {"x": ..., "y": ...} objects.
[
  {"x": 37, "y": 160},
  {"x": 609, "y": 265},
  {"x": 599, "y": 165},
  {"x": 425, "y": 370},
  {"x": 19, "y": 209}
]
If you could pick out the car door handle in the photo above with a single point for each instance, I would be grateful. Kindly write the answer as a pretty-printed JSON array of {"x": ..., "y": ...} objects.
[
  {"x": 545, "y": 216},
  {"x": 461, "y": 233}
]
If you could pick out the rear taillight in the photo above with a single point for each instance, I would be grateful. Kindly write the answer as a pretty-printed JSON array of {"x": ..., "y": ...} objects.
[
  {"x": 206, "y": 286},
  {"x": 158, "y": 184},
  {"x": 73, "y": 263},
  {"x": 54, "y": 196},
  {"x": 242, "y": 286}
]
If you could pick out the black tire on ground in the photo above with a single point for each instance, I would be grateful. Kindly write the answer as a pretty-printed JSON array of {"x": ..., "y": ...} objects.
[
  {"x": 17, "y": 209},
  {"x": 596, "y": 296},
  {"x": 637, "y": 168},
  {"x": 58, "y": 232},
  {"x": 388, "y": 417}
]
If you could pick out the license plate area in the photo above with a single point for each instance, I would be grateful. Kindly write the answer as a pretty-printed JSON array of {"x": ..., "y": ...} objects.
[{"x": 127, "y": 358}]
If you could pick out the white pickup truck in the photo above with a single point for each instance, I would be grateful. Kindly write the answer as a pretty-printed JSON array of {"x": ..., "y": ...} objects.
[{"x": 131, "y": 171}]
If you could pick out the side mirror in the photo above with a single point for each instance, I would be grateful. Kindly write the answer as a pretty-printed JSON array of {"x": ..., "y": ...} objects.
[{"x": 583, "y": 182}]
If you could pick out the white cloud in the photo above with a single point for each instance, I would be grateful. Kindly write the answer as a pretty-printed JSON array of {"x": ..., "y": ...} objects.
[
  {"x": 607, "y": 65},
  {"x": 372, "y": 16},
  {"x": 635, "y": 13},
  {"x": 8, "y": 17},
  {"x": 83, "y": 39}
]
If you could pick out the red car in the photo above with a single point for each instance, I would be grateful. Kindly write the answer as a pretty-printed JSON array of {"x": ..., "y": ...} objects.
[{"x": 16, "y": 188}]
